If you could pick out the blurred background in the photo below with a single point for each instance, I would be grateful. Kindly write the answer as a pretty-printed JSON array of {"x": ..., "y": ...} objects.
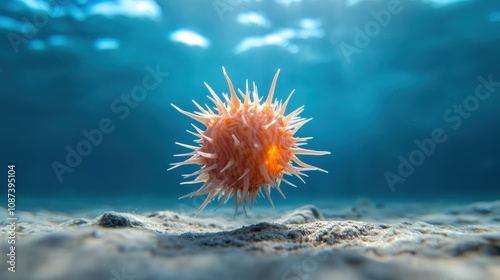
[{"x": 86, "y": 87}]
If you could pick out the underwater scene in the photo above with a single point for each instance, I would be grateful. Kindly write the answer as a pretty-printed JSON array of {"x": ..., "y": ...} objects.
[{"x": 250, "y": 139}]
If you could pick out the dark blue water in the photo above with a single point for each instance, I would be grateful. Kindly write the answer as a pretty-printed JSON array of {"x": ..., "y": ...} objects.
[{"x": 404, "y": 94}]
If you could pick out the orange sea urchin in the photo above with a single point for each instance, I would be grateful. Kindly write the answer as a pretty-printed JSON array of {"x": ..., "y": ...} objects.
[{"x": 246, "y": 146}]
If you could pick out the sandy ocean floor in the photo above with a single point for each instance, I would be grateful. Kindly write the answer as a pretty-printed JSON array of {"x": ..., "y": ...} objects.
[{"x": 364, "y": 240}]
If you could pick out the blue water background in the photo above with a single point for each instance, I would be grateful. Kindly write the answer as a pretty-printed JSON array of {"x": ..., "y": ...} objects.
[{"x": 65, "y": 63}]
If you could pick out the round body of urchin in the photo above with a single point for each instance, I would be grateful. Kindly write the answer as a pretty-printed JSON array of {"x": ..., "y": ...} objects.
[{"x": 246, "y": 147}]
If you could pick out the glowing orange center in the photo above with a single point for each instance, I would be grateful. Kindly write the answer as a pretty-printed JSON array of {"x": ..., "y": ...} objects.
[
  {"x": 252, "y": 147},
  {"x": 272, "y": 161}
]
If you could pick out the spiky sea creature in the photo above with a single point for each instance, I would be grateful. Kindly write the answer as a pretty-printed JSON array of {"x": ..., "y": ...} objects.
[{"x": 246, "y": 146}]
